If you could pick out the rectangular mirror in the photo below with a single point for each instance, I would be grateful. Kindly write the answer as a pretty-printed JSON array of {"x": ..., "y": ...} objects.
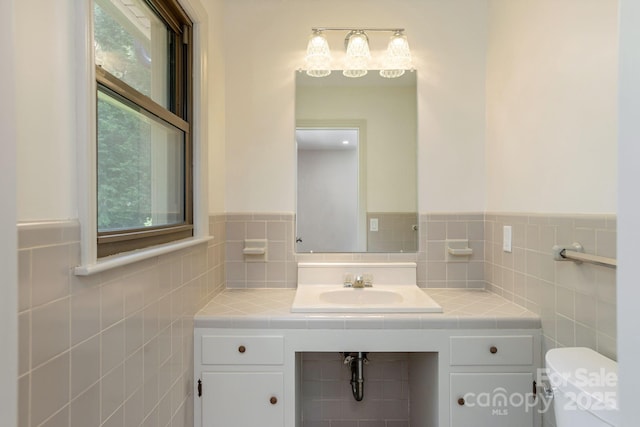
[{"x": 356, "y": 145}]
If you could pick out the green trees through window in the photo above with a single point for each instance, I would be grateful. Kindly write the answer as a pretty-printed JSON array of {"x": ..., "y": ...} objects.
[{"x": 124, "y": 167}]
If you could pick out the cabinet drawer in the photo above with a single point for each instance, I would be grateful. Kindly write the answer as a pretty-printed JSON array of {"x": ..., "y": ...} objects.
[
  {"x": 496, "y": 400},
  {"x": 242, "y": 350},
  {"x": 498, "y": 350}
]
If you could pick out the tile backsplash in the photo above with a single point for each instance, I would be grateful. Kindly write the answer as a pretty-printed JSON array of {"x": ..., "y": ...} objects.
[
  {"x": 280, "y": 268},
  {"x": 577, "y": 302},
  {"x": 396, "y": 232},
  {"x": 457, "y": 272},
  {"x": 114, "y": 349}
]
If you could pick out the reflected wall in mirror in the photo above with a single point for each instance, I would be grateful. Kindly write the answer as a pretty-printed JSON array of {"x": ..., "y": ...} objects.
[{"x": 356, "y": 164}]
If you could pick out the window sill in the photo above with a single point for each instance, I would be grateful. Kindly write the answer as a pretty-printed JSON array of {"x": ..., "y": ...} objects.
[{"x": 121, "y": 260}]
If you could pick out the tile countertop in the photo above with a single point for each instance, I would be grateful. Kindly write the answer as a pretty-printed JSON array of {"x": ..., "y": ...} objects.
[{"x": 270, "y": 309}]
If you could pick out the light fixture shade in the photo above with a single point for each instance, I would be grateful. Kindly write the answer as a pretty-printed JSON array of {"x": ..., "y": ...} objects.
[
  {"x": 318, "y": 59},
  {"x": 358, "y": 55},
  {"x": 397, "y": 58}
]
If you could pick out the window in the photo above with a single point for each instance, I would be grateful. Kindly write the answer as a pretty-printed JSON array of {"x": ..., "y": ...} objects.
[{"x": 144, "y": 148}]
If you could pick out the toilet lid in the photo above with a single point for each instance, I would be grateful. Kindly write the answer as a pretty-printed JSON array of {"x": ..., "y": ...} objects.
[{"x": 587, "y": 377}]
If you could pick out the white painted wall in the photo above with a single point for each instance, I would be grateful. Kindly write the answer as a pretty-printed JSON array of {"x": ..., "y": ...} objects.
[
  {"x": 628, "y": 212},
  {"x": 216, "y": 73},
  {"x": 45, "y": 110},
  {"x": 550, "y": 100},
  {"x": 551, "y": 106},
  {"x": 46, "y": 86},
  {"x": 265, "y": 42},
  {"x": 390, "y": 117},
  {"x": 8, "y": 243},
  {"x": 553, "y": 52}
]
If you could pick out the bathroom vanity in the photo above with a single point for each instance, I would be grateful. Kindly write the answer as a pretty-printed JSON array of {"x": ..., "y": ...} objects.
[{"x": 474, "y": 364}]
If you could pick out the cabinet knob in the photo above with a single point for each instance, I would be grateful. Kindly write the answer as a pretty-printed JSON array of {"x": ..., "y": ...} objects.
[
  {"x": 461, "y": 401},
  {"x": 273, "y": 400},
  {"x": 493, "y": 349},
  {"x": 242, "y": 349}
]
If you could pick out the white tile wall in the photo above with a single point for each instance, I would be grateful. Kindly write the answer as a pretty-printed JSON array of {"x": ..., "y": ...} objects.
[
  {"x": 577, "y": 302},
  {"x": 280, "y": 269},
  {"x": 395, "y": 232},
  {"x": 113, "y": 349},
  {"x": 328, "y": 401}
]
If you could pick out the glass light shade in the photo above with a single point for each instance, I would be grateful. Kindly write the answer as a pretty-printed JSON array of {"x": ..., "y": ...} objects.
[
  {"x": 397, "y": 58},
  {"x": 318, "y": 59},
  {"x": 358, "y": 55}
]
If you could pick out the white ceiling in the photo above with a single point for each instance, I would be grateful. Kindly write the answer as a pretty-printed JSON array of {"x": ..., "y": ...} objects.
[{"x": 326, "y": 139}]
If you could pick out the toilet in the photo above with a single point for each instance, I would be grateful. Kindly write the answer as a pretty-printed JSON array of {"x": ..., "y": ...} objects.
[{"x": 584, "y": 385}]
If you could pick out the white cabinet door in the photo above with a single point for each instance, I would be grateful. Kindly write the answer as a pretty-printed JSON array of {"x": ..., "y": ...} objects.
[
  {"x": 242, "y": 399},
  {"x": 492, "y": 400}
]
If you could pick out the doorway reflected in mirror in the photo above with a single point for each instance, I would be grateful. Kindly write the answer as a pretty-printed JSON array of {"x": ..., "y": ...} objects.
[{"x": 359, "y": 197}]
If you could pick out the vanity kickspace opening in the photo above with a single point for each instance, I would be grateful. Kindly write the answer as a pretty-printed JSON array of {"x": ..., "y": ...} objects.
[{"x": 397, "y": 386}]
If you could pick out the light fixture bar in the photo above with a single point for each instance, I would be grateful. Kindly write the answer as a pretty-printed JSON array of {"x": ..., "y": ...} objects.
[
  {"x": 388, "y": 30},
  {"x": 396, "y": 60}
]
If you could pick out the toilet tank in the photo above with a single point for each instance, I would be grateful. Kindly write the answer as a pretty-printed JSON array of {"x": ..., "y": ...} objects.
[{"x": 585, "y": 385}]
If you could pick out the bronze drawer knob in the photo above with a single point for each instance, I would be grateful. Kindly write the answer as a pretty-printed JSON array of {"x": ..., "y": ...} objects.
[
  {"x": 242, "y": 349},
  {"x": 461, "y": 401},
  {"x": 493, "y": 349},
  {"x": 273, "y": 400}
]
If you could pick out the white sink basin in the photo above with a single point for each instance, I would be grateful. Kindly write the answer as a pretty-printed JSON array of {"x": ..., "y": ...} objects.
[
  {"x": 381, "y": 299},
  {"x": 321, "y": 290},
  {"x": 359, "y": 296}
]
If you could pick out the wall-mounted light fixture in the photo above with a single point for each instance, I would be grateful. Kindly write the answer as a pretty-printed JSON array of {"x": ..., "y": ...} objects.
[
  {"x": 318, "y": 59},
  {"x": 396, "y": 60}
]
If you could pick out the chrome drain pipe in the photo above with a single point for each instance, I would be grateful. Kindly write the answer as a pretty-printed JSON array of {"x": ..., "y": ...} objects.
[{"x": 356, "y": 362}]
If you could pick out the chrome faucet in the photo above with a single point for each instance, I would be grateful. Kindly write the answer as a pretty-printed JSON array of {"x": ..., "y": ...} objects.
[
  {"x": 363, "y": 281},
  {"x": 359, "y": 282}
]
